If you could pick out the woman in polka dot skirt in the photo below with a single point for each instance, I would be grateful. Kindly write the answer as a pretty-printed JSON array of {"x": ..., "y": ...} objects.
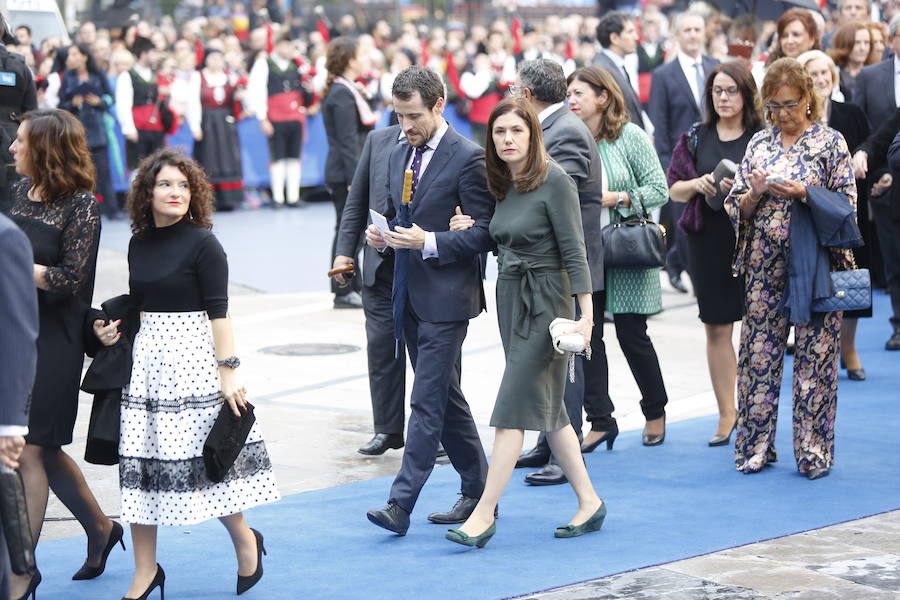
[{"x": 183, "y": 369}]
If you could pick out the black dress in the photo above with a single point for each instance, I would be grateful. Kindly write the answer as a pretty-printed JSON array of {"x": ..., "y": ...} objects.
[
  {"x": 720, "y": 296},
  {"x": 64, "y": 235},
  {"x": 850, "y": 121}
]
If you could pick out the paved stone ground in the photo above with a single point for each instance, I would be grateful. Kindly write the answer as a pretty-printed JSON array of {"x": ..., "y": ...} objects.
[{"x": 315, "y": 412}]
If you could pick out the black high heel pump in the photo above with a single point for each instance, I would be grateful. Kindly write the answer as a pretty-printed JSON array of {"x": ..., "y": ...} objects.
[
  {"x": 32, "y": 586},
  {"x": 245, "y": 583},
  {"x": 159, "y": 581},
  {"x": 608, "y": 436},
  {"x": 88, "y": 572}
]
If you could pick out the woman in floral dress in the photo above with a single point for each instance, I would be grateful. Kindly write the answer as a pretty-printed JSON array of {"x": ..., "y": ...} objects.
[{"x": 804, "y": 153}]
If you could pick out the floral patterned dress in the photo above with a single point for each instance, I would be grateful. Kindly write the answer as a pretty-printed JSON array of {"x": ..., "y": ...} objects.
[{"x": 818, "y": 158}]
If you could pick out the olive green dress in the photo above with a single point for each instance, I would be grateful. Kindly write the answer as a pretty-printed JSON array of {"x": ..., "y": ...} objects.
[{"x": 542, "y": 264}]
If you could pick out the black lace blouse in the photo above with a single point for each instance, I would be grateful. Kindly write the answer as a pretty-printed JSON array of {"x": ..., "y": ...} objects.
[
  {"x": 64, "y": 234},
  {"x": 179, "y": 268}
]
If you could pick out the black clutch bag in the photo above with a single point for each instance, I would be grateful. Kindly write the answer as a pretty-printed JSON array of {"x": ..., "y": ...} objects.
[
  {"x": 225, "y": 441},
  {"x": 14, "y": 520},
  {"x": 635, "y": 243}
]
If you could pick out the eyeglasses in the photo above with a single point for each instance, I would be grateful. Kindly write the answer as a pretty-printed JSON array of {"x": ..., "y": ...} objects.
[
  {"x": 513, "y": 89},
  {"x": 731, "y": 91},
  {"x": 786, "y": 107}
]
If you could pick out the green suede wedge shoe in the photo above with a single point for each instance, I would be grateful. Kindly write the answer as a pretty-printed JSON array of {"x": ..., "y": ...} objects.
[
  {"x": 455, "y": 535},
  {"x": 592, "y": 524}
]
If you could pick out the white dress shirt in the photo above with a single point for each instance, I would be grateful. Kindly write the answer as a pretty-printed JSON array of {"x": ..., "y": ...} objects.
[
  {"x": 430, "y": 250},
  {"x": 549, "y": 111},
  {"x": 690, "y": 72},
  {"x": 896, "y": 81}
]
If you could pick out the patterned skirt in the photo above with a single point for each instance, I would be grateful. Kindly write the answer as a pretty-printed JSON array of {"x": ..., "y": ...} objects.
[{"x": 168, "y": 409}]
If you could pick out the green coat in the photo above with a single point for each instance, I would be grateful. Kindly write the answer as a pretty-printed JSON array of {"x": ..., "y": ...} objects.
[
  {"x": 542, "y": 264},
  {"x": 630, "y": 164}
]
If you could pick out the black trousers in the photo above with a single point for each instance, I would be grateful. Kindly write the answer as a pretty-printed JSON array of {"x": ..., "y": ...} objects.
[
  {"x": 103, "y": 186},
  {"x": 338, "y": 193},
  {"x": 148, "y": 143},
  {"x": 387, "y": 374},
  {"x": 889, "y": 240},
  {"x": 439, "y": 412},
  {"x": 631, "y": 331},
  {"x": 591, "y": 376},
  {"x": 676, "y": 257}
]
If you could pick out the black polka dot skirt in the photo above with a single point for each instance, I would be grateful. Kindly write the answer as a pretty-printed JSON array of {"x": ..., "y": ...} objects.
[{"x": 168, "y": 409}]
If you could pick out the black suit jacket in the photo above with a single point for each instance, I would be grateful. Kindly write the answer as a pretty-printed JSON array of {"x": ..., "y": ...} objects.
[
  {"x": 18, "y": 324},
  {"x": 368, "y": 191},
  {"x": 447, "y": 288},
  {"x": 569, "y": 142},
  {"x": 883, "y": 152},
  {"x": 672, "y": 108},
  {"x": 346, "y": 134},
  {"x": 631, "y": 99},
  {"x": 875, "y": 92}
]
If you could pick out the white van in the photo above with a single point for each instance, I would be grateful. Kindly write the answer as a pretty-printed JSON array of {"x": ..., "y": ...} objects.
[{"x": 42, "y": 16}]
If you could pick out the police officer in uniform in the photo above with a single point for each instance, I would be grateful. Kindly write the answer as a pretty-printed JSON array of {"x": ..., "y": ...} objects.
[{"x": 17, "y": 96}]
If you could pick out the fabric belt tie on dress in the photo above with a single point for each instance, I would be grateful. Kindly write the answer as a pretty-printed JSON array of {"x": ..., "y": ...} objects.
[{"x": 512, "y": 265}]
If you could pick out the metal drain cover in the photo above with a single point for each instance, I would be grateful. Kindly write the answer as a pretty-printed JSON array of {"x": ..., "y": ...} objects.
[{"x": 310, "y": 349}]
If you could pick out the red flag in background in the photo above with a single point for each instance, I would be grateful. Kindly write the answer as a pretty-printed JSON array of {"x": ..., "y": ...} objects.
[
  {"x": 270, "y": 45},
  {"x": 570, "y": 49},
  {"x": 198, "y": 52},
  {"x": 517, "y": 35},
  {"x": 425, "y": 55},
  {"x": 323, "y": 30}
]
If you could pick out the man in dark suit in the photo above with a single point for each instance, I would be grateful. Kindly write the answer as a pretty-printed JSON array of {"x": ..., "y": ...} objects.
[
  {"x": 18, "y": 333},
  {"x": 387, "y": 372},
  {"x": 442, "y": 273},
  {"x": 676, "y": 103},
  {"x": 618, "y": 37},
  {"x": 569, "y": 142},
  {"x": 878, "y": 94}
]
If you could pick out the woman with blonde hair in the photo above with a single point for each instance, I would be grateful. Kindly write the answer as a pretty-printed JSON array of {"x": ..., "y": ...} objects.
[
  {"x": 850, "y": 121},
  {"x": 634, "y": 185},
  {"x": 784, "y": 164}
]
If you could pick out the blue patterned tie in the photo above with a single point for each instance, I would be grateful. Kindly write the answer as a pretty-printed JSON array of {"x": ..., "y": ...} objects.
[{"x": 401, "y": 262}]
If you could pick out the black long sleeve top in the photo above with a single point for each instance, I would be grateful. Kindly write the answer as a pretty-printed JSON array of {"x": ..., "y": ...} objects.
[{"x": 179, "y": 268}]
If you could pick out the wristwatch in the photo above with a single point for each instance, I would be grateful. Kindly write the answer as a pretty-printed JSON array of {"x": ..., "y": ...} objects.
[
  {"x": 620, "y": 200},
  {"x": 232, "y": 362}
]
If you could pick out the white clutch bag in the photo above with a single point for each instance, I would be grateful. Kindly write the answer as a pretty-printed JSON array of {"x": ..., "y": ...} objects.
[{"x": 564, "y": 342}]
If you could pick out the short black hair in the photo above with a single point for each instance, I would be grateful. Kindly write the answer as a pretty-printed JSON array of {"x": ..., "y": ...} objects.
[
  {"x": 545, "y": 78},
  {"x": 26, "y": 28},
  {"x": 613, "y": 22},
  {"x": 419, "y": 79},
  {"x": 141, "y": 45}
]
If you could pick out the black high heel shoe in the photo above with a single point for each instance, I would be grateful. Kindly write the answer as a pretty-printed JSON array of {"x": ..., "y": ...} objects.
[
  {"x": 88, "y": 572},
  {"x": 245, "y": 583},
  {"x": 159, "y": 581},
  {"x": 655, "y": 439},
  {"x": 608, "y": 436},
  {"x": 722, "y": 440},
  {"x": 32, "y": 586}
]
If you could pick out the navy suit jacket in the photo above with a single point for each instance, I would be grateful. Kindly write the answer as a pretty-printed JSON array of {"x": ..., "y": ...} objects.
[
  {"x": 447, "y": 288},
  {"x": 672, "y": 108},
  {"x": 632, "y": 103},
  {"x": 18, "y": 324},
  {"x": 368, "y": 191},
  {"x": 875, "y": 92}
]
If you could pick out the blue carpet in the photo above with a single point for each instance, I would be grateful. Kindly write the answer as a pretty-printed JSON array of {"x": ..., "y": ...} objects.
[{"x": 668, "y": 503}]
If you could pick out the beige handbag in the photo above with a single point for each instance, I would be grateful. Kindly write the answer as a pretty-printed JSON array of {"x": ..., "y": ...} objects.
[{"x": 565, "y": 342}]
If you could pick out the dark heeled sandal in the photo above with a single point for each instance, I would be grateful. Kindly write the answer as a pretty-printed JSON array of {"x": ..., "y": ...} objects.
[
  {"x": 245, "y": 583},
  {"x": 32, "y": 586},
  {"x": 159, "y": 581},
  {"x": 88, "y": 572}
]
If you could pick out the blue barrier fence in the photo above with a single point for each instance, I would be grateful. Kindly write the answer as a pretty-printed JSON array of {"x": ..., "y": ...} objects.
[{"x": 255, "y": 149}]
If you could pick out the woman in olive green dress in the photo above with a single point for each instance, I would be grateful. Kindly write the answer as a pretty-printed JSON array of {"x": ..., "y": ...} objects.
[
  {"x": 542, "y": 264},
  {"x": 633, "y": 183}
]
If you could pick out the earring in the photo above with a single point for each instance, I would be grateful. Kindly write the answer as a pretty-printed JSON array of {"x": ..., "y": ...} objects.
[{"x": 808, "y": 111}]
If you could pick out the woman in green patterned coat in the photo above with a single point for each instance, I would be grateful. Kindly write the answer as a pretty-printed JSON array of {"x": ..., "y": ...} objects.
[
  {"x": 542, "y": 263},
  {"x": 633, "y": 182}
]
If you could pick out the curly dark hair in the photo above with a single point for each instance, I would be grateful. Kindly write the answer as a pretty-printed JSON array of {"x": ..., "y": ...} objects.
[{"x": 140, "y": 196}]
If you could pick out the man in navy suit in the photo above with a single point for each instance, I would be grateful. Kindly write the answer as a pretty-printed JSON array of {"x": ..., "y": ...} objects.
[
  {"x": 676, "y": 103},
  {"x": 878, "y": 94},
  {"x": 18, "y": 354},
  {"x": 444, "y": 291},
  {"x": 618, "y": 37}
]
